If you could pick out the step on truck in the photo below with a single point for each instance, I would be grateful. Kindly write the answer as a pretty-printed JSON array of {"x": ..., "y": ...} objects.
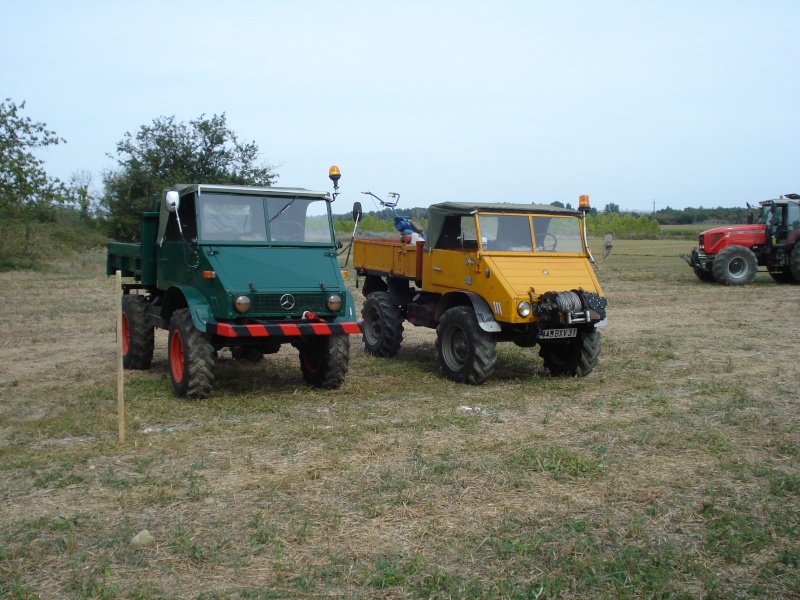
[
  {"x": 483, "y": 274},
  {"x": 238, "y": 267},
  {"x": 731, "y": 255}
]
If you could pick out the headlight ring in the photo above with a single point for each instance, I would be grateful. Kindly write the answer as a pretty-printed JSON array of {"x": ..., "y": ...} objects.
[
  {"x": 241, "y": 303},
  {"x": 334, "y": 303}
]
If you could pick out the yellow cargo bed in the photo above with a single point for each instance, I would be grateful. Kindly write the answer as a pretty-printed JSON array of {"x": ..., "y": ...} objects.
[{"x": 387, "y": 257}]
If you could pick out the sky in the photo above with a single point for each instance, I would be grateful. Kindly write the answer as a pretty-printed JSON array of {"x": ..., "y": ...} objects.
[{"x": 640, "y": 103}]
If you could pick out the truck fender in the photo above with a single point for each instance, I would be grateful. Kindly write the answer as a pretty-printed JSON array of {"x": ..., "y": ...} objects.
[
  {"x": 482, "y": 310},
  {"x": 186, "y": 296},
  {"x": 350, "y": 309}
]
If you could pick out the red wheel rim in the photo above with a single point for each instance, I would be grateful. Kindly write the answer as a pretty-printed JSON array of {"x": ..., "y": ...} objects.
[
  {"x": 176, "y": 355},
  {"x": 126, "y": 335},
  {"x": 311, "y": 361}
]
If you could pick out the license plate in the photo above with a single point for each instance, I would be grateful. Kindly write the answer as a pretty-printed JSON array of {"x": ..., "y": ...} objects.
[{"x": 554, "y": 334}]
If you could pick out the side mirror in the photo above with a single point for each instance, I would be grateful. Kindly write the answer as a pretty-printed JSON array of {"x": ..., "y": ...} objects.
[
  {"x": 173, "y": 201},
  {"x": 357, "y": 211},
  {"x": 608, "y": 243}
]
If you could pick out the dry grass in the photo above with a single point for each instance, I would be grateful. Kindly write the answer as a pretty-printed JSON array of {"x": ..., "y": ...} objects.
[{"x": 672, "y": 470}]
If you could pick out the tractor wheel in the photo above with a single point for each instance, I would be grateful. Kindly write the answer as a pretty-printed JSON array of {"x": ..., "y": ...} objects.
[
  {"x": 735, "y": 265},
  {"x": 325, "y": 360},
  {"x": 703, "y": 275},
  {"x": 573, "y": 358},
  {"x": 191, "y": 357},
  {"x": 383, "y": 325},
  {"x": 466, "y": 352},
  {"x": 137, "y": 335},
  {"x": 794, "y": 263}
]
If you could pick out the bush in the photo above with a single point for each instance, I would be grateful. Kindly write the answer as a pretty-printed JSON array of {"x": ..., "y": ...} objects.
[{"x": 30, "y": 245}]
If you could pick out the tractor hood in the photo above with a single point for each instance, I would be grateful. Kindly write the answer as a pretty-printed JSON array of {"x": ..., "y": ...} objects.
[
  {"x": 271, "y": 269},
  {"x": 736, "y": 230},
  {"x": 712, "y": 241}
]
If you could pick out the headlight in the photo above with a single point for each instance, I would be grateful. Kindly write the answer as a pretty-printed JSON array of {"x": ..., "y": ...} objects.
[
  {"x": 524, "y": 309},
  {"x": 334, "y": 303},
  {"x": 241, "y": 304}
]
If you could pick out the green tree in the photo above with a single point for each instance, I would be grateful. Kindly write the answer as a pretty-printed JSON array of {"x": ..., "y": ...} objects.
[
  {"x": 26, "y": 191},
  {"x": 160, "y": 155},
  {"x": 622, "y": 226},
  {"x": 611, "y": 208},
  {"x": 81, "y": 195}
]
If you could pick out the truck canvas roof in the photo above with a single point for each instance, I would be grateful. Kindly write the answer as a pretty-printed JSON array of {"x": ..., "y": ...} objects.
[{"x": 438, "y": 212}]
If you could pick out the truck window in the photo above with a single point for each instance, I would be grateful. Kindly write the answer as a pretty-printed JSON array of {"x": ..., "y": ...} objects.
[
  {"x": 557, "y": 234},
  {"x": 230, "y": 217},
  {"x": 509, "y": 233},
  {"x": 458, "y": 233},
  {"x": 188, "y": 221},
  {"x": 293, "y": 220}
]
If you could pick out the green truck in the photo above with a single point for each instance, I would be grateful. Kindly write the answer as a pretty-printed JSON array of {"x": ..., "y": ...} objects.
[{"x": 238, "y": 267}]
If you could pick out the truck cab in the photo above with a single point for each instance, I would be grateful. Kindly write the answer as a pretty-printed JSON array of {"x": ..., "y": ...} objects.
[
  {"x": 240, "y": 267},
  {"x": 487, "y": 273},
  {"x": 245, "y": 248}
]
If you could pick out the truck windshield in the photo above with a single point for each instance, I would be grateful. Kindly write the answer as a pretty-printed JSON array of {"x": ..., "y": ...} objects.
[
  {"x": 247, "y": 218},
  {"x": 520, "y": 233}
]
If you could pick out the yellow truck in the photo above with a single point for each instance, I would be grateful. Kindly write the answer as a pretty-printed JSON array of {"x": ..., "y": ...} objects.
[{"x": 487, "y": 273}]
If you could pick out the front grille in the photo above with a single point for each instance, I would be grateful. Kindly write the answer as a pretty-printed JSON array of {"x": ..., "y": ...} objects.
[{"x": 271, "y": 304}]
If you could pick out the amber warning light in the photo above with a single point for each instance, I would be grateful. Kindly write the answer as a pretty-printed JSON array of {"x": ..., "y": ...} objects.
[
  {"x": 335, "y": 175},
  {"x": 583, "y": 203}
]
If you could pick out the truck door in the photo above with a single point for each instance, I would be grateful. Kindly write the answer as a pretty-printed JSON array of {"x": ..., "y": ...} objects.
[
  {"x": 175, "y": 256},
  {"x": 459, "y": 241}
]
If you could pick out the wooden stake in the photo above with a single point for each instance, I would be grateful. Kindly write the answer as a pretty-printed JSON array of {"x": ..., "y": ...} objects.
[{"x": 120, "y": 378}]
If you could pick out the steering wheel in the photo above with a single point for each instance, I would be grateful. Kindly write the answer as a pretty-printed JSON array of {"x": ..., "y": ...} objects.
[
  {"x": 221, "y": 227},
  {"x": 287, "y": 231},
  {"x": 548, "y": 246}
]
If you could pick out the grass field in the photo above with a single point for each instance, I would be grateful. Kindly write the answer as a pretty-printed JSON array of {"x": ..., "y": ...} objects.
[{"x": 671, "y": 471}]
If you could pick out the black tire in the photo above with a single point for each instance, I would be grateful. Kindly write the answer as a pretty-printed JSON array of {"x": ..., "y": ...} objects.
[
  {"x": 466, "y": 352},
  {"x": 794, "y": 263},
  {"x": 382, "y": 325},
  {"x": 191, "y": 357},
  {"x": 325, "y": 361},
  {"x": 735, "y": 265},
  {"x": 572, "y": 358},
  {"x": 137, "y": 335},
  {"x": 703, "y": 275},
  {"x": 782, "y": 276}
]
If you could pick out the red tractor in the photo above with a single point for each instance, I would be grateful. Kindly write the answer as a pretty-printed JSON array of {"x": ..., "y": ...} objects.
[{"x": 731, "y": 255}]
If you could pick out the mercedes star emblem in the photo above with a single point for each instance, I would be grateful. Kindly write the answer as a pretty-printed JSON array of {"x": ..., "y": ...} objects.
[{"x": 287, "y": 302}]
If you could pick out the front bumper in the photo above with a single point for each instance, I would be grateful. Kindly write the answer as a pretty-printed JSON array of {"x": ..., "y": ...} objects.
[
  {"x": 571, "y": 308},
  {"x": 698, "y": 260},
  {"x": 278, "y": 330}
]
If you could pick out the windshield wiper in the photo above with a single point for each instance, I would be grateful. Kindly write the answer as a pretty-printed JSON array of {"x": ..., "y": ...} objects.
[{"x": 283, "y": 210}]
